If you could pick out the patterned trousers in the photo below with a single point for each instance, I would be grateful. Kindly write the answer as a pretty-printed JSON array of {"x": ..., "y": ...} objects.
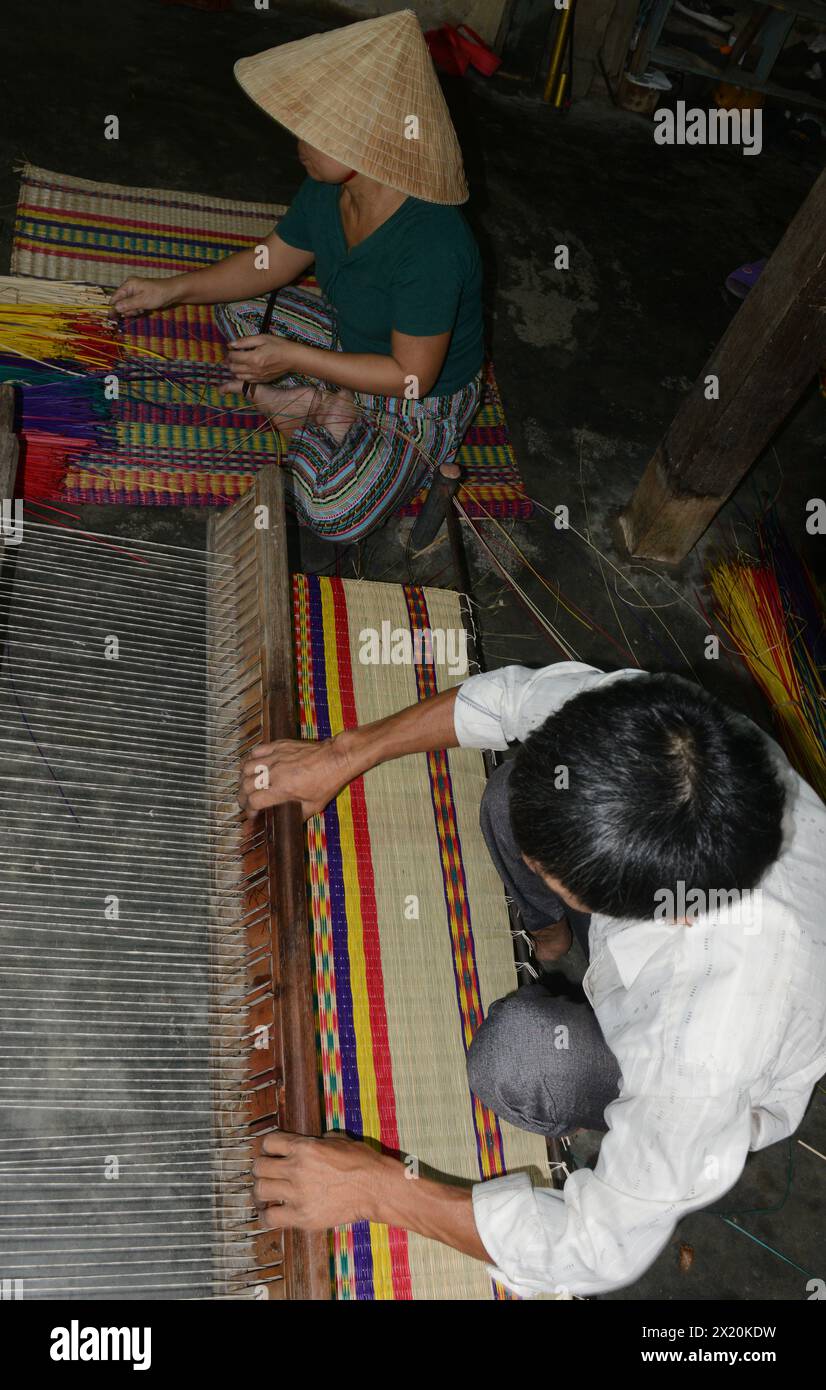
[{"x": 345, "y": 489}]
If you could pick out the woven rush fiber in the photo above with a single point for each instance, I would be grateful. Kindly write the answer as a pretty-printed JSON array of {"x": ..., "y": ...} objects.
[
  {"x": 401, "y": 995},
  {"x": 350, "y": 93},
  {"x": 78, "y": 230}
]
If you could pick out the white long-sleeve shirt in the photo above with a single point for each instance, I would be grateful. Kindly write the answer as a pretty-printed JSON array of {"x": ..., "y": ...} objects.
[{"x": 719, "y": 1030}]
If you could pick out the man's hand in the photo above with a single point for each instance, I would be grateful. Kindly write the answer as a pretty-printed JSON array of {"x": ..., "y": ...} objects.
[
  {"x": 314, "y": 773},
  {"x": 260, "y": 358},
  {"x": 321, "y": 1182},
  {"x": 294, "y": 770},
  {"x": 334, "y": 1181}
]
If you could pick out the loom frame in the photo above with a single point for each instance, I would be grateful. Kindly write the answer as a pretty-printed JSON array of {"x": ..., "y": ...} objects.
[
  {"x": 286, "y": 1088},
  {"x": 285, "y": 1091}
]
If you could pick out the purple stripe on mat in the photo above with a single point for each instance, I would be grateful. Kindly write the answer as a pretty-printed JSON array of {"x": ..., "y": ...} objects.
[
  {"x": 351, "y": 1093},
  {"x": 138, "y": 196}
]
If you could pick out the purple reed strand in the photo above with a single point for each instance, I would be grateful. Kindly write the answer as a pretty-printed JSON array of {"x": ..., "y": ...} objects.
[
  {"x": 33, "y": 736},
  {"x": 74, "y": 409}
]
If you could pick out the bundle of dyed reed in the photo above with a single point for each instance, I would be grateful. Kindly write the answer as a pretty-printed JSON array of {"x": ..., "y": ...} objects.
[
  {"x": 56, "y": 335},
  {"x": 59, "y": 344},
  {"x": 774, "y": 613}
]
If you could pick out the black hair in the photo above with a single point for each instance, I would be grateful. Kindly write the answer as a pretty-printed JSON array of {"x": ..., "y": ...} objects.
[{"x": 664, "y": 783}]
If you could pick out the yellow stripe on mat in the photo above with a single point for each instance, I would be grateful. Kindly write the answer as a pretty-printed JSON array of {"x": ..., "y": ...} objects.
[{"x": 382, "y": 1280}]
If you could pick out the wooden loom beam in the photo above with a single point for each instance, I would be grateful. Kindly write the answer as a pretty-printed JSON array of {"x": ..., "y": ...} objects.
[
  {"x": 299, "y": 1109},
  {"x": 763, "y": 363},
  {"x": 282, "y": 1074},
  {"x": 8, "y": 449}
]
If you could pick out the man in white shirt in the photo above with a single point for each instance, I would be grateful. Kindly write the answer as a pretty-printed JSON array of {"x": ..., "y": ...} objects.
[{"x": 700, "y": 857}]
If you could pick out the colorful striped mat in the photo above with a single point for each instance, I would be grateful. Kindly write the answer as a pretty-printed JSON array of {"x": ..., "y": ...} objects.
[
  {"x": 169, "y": 446},
  {"x": 411, "y": 932}
]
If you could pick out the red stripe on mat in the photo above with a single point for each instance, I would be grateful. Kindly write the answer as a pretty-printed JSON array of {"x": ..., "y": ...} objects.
[
  {"x": 382, "y": 1064},
  {"x": 130, "y": 196},
  {"x": 106, "y": 220}
]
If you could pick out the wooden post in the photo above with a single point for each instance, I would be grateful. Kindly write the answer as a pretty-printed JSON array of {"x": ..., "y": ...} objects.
[
  {"x": 437, "y": 504},
  {"x": 762, "y": 364}
]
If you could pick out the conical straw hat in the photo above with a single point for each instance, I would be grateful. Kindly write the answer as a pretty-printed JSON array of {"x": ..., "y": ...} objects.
[{"x": 361, "y": 95}]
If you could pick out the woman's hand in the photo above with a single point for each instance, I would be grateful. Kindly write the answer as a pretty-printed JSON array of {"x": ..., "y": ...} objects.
[
  {"x": 138, "y": 296},
  {"x": 293, "y": 770},
  {"x": 260, "y": 358}
]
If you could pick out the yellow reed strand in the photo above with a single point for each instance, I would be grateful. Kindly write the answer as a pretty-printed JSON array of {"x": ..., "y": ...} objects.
[
  {"x": 758, "y": 630},
  {"x": 44, "y": 330}
]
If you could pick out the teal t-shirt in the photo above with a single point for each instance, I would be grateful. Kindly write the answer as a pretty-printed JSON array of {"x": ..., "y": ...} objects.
[{"x": 420, "y": 272}]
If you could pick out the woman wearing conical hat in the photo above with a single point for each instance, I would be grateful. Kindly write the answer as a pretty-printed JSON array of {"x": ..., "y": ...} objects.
[{"x": 373, "y": 383}]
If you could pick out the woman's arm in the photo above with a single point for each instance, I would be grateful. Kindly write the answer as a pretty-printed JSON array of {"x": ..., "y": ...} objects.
[
  {"x": 236, "y": 277},
  {"x": 410, "y": 369},
  {"x": 314, "y": 773}
]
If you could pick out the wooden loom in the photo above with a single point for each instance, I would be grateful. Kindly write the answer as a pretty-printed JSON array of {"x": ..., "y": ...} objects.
[
  {"x": 170, "y": 1050},
  {"x": 257, "y": 1003}
]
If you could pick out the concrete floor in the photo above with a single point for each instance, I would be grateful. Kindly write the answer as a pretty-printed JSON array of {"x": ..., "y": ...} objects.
[{"x": 591, "y": 363}]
